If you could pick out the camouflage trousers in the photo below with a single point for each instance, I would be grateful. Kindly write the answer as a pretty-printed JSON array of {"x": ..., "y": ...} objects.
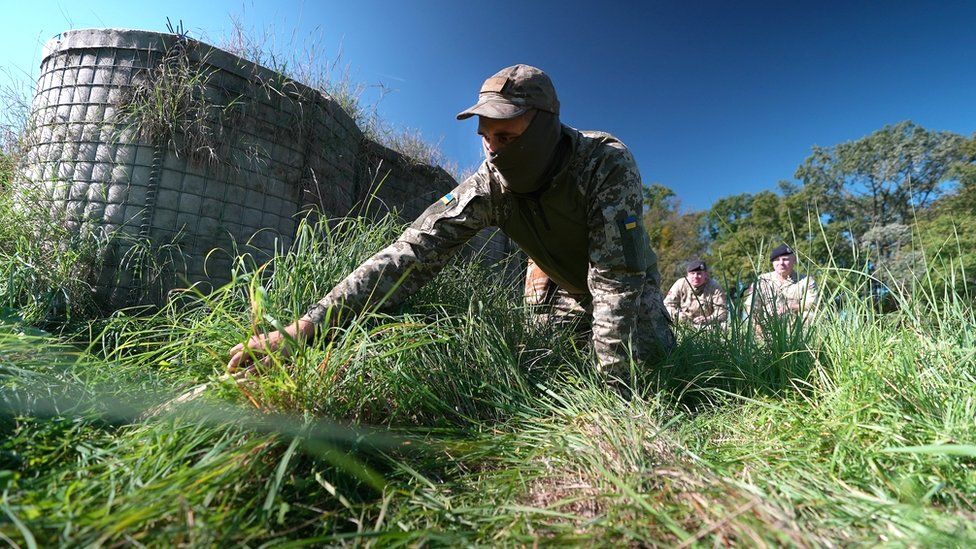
[{"x": 552, "y": 305}]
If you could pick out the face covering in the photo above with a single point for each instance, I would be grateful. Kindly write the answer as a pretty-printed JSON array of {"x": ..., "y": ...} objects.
[{"x": 524, "y": 161}]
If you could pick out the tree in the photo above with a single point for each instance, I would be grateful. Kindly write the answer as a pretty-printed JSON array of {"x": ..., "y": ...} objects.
[
  {"x": 726, "y": 215},
  {"x": 741, "y": 228},
  {"x": 675, "y": 236},
  {"x": 870, "y": 192},
  {"x": 948, "y": 242},
  {"x": 885, "y": 177},
  {"x": 964, "y": 172},
  {"x": 947, "y": 231},
  {"x": 658, "y": 196}
]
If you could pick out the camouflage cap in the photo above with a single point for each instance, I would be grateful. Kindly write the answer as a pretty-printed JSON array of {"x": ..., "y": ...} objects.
[
  {"x": 780, "y": 250},
  {"x": 513, "y": 91}
]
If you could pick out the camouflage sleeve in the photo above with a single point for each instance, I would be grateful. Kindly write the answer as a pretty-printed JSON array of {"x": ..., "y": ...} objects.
[
  {"x": 672, "y": 301},
  {"x": 617, "y": 257},
  {"x": 390, "y": 276}
]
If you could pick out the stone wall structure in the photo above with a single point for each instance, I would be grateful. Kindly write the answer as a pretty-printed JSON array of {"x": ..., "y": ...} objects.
[{"x": 178, "y": 156}]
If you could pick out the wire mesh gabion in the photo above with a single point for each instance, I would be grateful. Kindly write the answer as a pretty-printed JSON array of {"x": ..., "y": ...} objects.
[{"x": 177, "y": 156}]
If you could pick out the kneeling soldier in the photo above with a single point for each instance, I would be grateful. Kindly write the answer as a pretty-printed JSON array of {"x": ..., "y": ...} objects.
[
  {"x": 782, "y": 292},
  {"x": 696, "y": 299}
]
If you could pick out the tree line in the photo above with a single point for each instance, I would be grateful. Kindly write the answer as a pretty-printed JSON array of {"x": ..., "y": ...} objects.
[{"x": 898, "y": 205}]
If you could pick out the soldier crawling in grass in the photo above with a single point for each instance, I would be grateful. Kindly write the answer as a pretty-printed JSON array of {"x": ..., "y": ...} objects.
[{"x": 570, "y": 199}]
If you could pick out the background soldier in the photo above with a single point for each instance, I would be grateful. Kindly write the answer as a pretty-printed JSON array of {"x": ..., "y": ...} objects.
[
  {"x": 696, "y": 299},
  {"x": 570, "y": 199},
  {"x": 782, "y": 292}
]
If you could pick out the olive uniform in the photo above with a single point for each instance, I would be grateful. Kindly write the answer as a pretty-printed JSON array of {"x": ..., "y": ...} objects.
[{"x": 582, "y": 228}]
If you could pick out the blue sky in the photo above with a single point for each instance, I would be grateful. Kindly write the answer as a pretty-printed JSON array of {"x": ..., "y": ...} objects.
[{"x": 713, "y": 98}]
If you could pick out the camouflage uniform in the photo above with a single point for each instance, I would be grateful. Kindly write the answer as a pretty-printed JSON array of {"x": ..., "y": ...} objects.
[
  {"x": 773, "y": 296},
  {"x": 582, "y": 229},
  {"x": 685, "y": 303}
]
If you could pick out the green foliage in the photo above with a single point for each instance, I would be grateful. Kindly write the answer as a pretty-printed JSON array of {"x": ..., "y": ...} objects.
[
  {"x": 743, "y": 229},
  {"x": 46, "y": 268},
  {"x": 856, "y": 208},
  {"x": 6, "y": 170},
  {"x": 884, "y": 177},
  {"x": 963, "y": 200},
  {"x": 674, "y": 235},
  {"x": 15, "y": 96},
  {"x": 948, "y": 244},
  {"x": 168, "y": 104},
  {"x": 455, "y": 421}
]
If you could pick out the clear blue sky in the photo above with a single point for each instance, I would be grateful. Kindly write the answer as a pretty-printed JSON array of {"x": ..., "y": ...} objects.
[{"x": 713, "y": 98}]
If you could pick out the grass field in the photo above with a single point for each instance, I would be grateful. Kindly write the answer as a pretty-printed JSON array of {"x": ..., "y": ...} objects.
[{"x": 455, "y": 422}]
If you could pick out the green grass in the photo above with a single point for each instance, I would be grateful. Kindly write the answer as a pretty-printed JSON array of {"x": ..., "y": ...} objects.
[{"x": 453, "y": 421}]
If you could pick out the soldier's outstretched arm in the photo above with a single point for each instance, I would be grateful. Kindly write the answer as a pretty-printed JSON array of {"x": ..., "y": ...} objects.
[
  {"x": 619, "y": 257},
  {"x": 387, "y": 278}
]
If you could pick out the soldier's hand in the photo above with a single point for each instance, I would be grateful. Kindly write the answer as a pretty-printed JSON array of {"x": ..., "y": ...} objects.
[{"x": 242, "y": 355}]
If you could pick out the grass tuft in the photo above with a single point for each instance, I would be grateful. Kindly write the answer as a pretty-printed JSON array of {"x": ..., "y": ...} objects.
[{"x": 455, "y": 421}]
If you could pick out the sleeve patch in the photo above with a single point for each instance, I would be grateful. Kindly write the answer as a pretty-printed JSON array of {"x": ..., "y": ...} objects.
[
  {"x": 633, "y": 243},
  {"x": 447, "y": 206}
]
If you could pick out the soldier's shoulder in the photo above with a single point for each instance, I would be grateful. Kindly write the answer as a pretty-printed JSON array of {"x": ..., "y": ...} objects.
[
  {"x": 805, "y": 279},
  {"x": 480, "y": 183},
  {"x": 473, "y": 190},
  {"x": 479, "y": 178},
  {"x": 596, "y": 156},
  {"x": 597, "y": 146},
  {"x": 678, "y": 286},
  {"x": 770, "y": 278}
]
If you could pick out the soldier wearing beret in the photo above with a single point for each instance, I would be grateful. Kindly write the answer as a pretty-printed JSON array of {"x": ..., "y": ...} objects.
[
  {"x": 696, "y": 298},
  {"x": 570, "y": 199},
  {"x": 782, "y": 292}
]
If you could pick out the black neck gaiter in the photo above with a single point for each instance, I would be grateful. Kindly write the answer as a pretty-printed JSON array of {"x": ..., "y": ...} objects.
[{"x": 524, "y": 161}]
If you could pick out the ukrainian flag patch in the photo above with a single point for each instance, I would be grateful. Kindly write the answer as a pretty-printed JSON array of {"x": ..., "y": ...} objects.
[
  {"x": 447, "y": 198},
  {"x": 630, "y": 223}
]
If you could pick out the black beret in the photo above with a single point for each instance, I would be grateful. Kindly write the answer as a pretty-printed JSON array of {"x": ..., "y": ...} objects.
[
  {"x": 781, "y": 250},
  {"x": 696, "y": 265}
]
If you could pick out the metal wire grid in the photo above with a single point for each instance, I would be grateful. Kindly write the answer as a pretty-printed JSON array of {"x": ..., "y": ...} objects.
[{"x": 97, "y": 173}]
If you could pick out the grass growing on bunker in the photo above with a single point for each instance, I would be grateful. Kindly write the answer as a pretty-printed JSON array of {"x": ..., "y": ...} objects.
[
  {"x": 307, "y": 59},
  {"x": 454, "y": 421},
  {"x": 173, "y": 105}
]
